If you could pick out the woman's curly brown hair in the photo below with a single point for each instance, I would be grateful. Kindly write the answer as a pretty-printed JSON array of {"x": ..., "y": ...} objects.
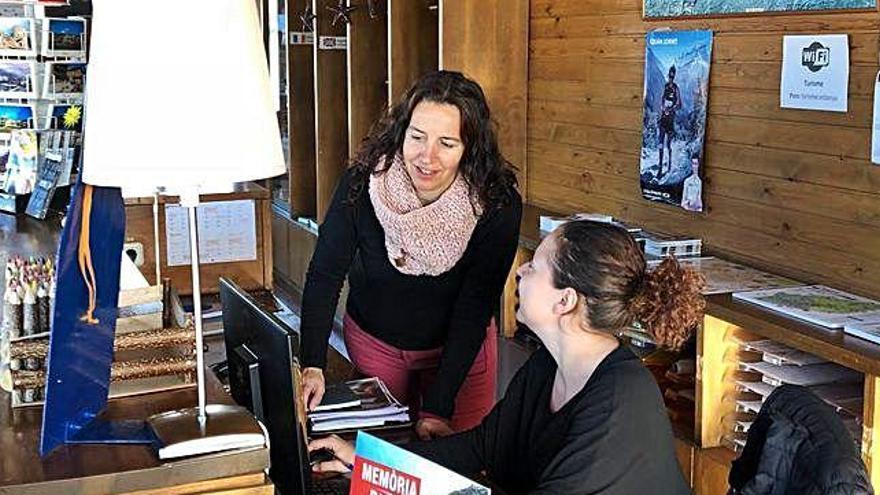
[
  {"x": 670, "y": 303},
  {"x": 605, "y": 265},
  {"x": 489, "y": 176}
]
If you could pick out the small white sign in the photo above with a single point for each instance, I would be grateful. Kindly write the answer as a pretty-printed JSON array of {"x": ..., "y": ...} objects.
[
  {"x": 227, "y": 232},
  {"x": 302, "y": 38},
  {"x": 875, "y": 137},
  {"x": 815, "y": 72},
  {"x": 332, "y": 43}
]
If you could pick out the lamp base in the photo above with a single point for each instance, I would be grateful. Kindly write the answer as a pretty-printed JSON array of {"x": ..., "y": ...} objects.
[{"x": 181, "y": 434}]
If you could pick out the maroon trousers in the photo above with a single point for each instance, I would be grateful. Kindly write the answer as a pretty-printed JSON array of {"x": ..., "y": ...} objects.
[{"x": 409, "y": 374}]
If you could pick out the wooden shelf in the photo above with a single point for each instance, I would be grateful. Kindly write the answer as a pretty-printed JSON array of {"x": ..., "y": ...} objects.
[{"x": 832, "y": 345}]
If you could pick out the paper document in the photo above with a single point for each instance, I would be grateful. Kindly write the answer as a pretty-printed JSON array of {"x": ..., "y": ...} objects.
[
  {"x": 227, "y": 232},
  {"x": 875, "y": 136}
]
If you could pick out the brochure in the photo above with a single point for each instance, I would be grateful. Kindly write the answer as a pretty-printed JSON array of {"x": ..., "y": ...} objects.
[
  {"x": 370, "y": 405},
  {"x": 816, "y": 304},
  {"x": 383, "y": 468}
]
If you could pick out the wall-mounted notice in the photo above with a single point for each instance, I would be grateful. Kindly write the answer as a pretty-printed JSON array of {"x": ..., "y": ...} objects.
[
  {"x": 875, "y": 136},
  {"x": 815, "y": 72},
  {"x": 227, "y": 232}
]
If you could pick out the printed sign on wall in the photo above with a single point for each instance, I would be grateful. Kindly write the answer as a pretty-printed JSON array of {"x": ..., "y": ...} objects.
[
  {"x": 815, "y": 72},
  {"x": 674, "y": 117}
]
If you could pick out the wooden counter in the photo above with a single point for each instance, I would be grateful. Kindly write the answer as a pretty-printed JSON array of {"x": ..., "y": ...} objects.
[{"x": 102, "y": 469}]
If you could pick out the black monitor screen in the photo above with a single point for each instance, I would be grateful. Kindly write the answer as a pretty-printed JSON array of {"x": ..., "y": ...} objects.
[{"x": 264, "y": 376}]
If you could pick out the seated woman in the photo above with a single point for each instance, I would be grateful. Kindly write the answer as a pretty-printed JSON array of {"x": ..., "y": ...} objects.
[{"x": 583, "y": 415}]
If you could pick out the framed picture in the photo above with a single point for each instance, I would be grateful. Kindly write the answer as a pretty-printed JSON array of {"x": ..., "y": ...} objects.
[
  {"x": 64, "y": 80},
  {"x": 64, "y": 38},
  {"x": 17, "y": 79},
  {"x": 16, "y": 117},
  {"x": 666, "y": 9},
  {"x": 64, "y": 117},
  {"x": 17, "y": 35}
]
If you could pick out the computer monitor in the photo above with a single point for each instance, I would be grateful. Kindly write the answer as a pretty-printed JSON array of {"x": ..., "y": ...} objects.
[{"x": 264, "y": 376}]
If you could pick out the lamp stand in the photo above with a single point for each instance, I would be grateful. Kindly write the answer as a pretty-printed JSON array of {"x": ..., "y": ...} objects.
[
  {"x": 156, "y": 237},
  {"x": 205, "y": 428},
  {"x": 186, "y": 432}
]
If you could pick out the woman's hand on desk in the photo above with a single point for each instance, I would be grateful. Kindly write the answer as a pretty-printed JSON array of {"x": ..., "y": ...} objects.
[
  {"x": 313, "y": 387},
  {"x": 343, "y": 452},
  {"x": 428, "y": 428}
]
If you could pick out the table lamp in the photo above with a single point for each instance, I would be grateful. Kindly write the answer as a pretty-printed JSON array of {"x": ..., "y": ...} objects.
[{"x": 178, "y": 102}]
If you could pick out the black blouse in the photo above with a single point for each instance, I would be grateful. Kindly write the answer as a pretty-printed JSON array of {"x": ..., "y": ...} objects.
[
  {"x": 612, "y": 437},
  {"x": 409, "y": 312}
]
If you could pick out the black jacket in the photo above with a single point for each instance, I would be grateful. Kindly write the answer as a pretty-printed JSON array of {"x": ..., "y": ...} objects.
[{"x": 798, "y": 445}]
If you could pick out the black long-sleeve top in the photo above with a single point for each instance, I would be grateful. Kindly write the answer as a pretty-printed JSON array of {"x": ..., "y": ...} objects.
[
  {"x": 612, "y": 437},
  {"x": 409, "y": 312}
]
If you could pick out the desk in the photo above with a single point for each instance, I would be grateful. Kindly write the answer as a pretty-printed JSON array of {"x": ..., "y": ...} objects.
[{"x": 102, "y": 469}]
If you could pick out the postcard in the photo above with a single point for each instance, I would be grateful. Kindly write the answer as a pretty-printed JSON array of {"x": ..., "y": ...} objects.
[
  {"x": 65, "y": 117},
  {"x": 16, "y": 117},
  {"x": 17, "y": 79},
  {"x": 22, "y": 163},
  {"x": 64, "y": 38},
  {"x": 17, "y": 37},
  {"x": 64, "y": 80}
]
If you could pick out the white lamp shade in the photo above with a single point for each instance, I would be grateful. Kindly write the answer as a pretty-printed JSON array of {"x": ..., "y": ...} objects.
[{"x": 178, "y": 96}]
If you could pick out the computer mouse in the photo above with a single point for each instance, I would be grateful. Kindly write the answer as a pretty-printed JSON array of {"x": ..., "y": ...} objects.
[{"x": 321, "y": 455}]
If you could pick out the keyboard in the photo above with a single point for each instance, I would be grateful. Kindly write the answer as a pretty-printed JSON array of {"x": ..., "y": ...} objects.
[{"x": 335, "y": 486}]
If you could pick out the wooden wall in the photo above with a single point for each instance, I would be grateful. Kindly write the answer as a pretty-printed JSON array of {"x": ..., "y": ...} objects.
[
  {"x": 789, "y": 191},
  {"x": 490, "y": 45}
]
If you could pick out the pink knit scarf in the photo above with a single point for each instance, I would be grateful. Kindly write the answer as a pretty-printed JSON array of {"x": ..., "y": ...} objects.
[{"x": 422, "y": 240}]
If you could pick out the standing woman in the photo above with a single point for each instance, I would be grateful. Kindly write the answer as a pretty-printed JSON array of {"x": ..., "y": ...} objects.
[{"x": 425, "y": 224}]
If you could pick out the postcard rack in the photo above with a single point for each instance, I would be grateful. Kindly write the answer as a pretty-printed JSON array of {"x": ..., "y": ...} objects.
[{"x": 43, "y": 62}]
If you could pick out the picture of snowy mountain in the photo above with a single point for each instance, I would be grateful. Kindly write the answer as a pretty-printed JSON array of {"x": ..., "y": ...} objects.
[
  {"x": 674, "y": 116},
  {"x": 678, "y": 8}
]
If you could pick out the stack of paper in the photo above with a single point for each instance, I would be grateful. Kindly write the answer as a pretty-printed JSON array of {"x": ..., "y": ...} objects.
[{"x": 370, "y": 405}]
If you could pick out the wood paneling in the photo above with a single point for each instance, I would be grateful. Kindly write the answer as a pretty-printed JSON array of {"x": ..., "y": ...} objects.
[
  {"x": 250, "y": 484},
  {"x": 367, "y": 73},
  {"x": 413, "y": 41},
  {"x": 684, "y": 452},
  {"x": 711, "y": 467},
  {"x": 510, "y": 299},
  {"x": 331, "y": 107},
  {"x": 789, "y": 191},
  {"x": 280, "y": 244},
  {"x": 488, "y": 42},
  {"x": 301, "y": 78},
  {"x": 870, "y": 433}
]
